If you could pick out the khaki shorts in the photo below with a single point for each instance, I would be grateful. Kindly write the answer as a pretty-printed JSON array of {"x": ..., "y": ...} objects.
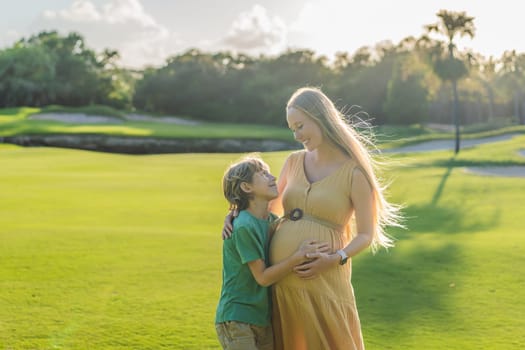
[{"x": 243, "y": 336}]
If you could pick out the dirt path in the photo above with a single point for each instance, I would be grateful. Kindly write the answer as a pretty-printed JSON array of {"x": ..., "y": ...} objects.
[
  {"x": 442, "y": 145},
  {"x": 438, "y": 145}
]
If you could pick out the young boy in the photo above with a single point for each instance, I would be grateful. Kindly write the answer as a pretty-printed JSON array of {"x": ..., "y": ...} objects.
[{"x": 243, "y": 314}]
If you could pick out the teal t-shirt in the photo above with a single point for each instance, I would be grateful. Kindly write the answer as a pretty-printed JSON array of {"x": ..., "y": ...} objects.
[{"x": 242, "y": 298}]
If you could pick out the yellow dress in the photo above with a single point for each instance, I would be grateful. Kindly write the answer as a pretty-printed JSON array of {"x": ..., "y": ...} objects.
[{"x": 320, "y": 313}]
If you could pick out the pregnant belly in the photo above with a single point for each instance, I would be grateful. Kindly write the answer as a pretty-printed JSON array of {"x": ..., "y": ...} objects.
[{"x": 291, "y": 234}]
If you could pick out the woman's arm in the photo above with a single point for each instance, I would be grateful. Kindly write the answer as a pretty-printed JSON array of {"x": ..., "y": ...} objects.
[
  {"x": 267, "y": 276},
  {"x": 227, "y": 227},
  {"x": 363, "y": 203}
]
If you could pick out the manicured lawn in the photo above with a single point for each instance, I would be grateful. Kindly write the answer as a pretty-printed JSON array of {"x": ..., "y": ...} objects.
[
  {"x": 455, "y": 278},
  {"x": 106, "y": 251},
  {"x": 14, "y": 122}
]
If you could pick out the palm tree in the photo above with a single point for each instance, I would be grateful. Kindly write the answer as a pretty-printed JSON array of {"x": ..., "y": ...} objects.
[
  {"x": 513, "y": 77},
  {"x": 450, "y": 25}
]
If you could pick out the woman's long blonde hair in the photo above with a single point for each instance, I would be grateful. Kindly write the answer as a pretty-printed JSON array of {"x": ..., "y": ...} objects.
[{"x": 315, "y": 104}]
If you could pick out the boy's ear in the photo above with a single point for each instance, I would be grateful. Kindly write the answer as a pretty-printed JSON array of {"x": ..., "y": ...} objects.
[{"x": 246, "y": 187}]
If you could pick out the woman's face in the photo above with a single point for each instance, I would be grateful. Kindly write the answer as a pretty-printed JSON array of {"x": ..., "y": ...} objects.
[{"x": 304, "y": 128}]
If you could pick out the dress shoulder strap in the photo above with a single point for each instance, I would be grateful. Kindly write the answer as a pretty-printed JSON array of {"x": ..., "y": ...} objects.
[{"x": 295, "y": 162}]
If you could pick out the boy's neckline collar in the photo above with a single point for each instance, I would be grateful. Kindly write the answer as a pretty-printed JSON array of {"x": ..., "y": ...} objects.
[{"x": 259, "y": 217}]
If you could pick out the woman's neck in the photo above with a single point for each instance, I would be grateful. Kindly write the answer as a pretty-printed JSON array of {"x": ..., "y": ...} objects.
[{"x": 327, "y": 153}]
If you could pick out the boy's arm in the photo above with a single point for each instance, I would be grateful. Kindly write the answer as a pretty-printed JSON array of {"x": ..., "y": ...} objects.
[{"x": 267, "y": 276}]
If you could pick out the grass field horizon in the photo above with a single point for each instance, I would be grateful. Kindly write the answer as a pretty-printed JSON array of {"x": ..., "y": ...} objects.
[
  {"x": 109, "y": 251},
  {"x": 16, "y": 121}
]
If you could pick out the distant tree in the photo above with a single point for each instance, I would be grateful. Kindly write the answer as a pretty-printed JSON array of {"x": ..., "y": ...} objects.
[
  {"x": 485, "y": 73},
  {"x": 362, "y": 79},
  {"x": 193, "y": 83},
  {"x": 224, "y": 86},
  {"x": 275, "y": 78},
  {"x": 407, "y": 93},
  {"x": 446, "y": 65},
  {"x": 27, "y": 76},
  {"x": 74, "y": 81},
  {"x": 512, "y": 78},
  {"x": 350, "y": 71},
  {"x": 48, "y": 68}
]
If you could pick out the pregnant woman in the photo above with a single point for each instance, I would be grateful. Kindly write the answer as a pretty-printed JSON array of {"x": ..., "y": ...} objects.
[
  {"x": 321, "y": 189},
  {"x": 328, "y": 192}
]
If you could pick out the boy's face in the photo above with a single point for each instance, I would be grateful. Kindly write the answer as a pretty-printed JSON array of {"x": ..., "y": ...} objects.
[{"x": 263, "y": 185}]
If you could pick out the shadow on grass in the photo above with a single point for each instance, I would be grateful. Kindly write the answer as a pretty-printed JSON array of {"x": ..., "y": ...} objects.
[
  {"x": 441, "y": 186},
  {"x": 450, "y": 219},
  {"x": 412, "y": 287},
  {"x": 439, "y": 217},
  {"x": 12, "y": 127},
  {"x": 27, "y": 127},
  {"x": 10, "y": 111},
  {"x": 400, "y": 291}
]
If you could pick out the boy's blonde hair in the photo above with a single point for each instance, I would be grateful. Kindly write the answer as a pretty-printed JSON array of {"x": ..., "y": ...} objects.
[{"x": 235, "y": 175}]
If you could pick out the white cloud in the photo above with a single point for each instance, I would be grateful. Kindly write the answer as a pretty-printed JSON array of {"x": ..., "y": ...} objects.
[
  {"x": 123, "y": 25},
  {"x": 80, "y": 11},
  {"x": 120, "y": 11},
  {"x": 255, "y": 31},
  {"x": 8, "y": 38},
  {"x": 115, "y": 11}
]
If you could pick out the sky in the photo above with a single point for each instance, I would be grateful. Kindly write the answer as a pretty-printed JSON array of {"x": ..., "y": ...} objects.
[{"x": 146, "y": 32}]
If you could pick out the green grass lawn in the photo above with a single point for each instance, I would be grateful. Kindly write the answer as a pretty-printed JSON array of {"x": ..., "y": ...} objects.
[
  {"x": 106, "y": 251},
  {"x": 14, "y": 121}
]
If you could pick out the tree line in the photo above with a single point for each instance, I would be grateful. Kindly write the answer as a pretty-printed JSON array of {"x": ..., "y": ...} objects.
[{"x": 420, "y": 79}]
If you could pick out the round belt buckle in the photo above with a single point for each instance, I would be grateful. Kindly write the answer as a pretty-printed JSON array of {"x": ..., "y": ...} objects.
[{"x": 296, "y": 214}]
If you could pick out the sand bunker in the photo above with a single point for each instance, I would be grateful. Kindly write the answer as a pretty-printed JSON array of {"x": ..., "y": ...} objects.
[
  {"x": 76, "y": 118},
  {"x": 505, "y": 171},
  {"x": 79, "y": 118},
  {"x": 169, "y": 120}
]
